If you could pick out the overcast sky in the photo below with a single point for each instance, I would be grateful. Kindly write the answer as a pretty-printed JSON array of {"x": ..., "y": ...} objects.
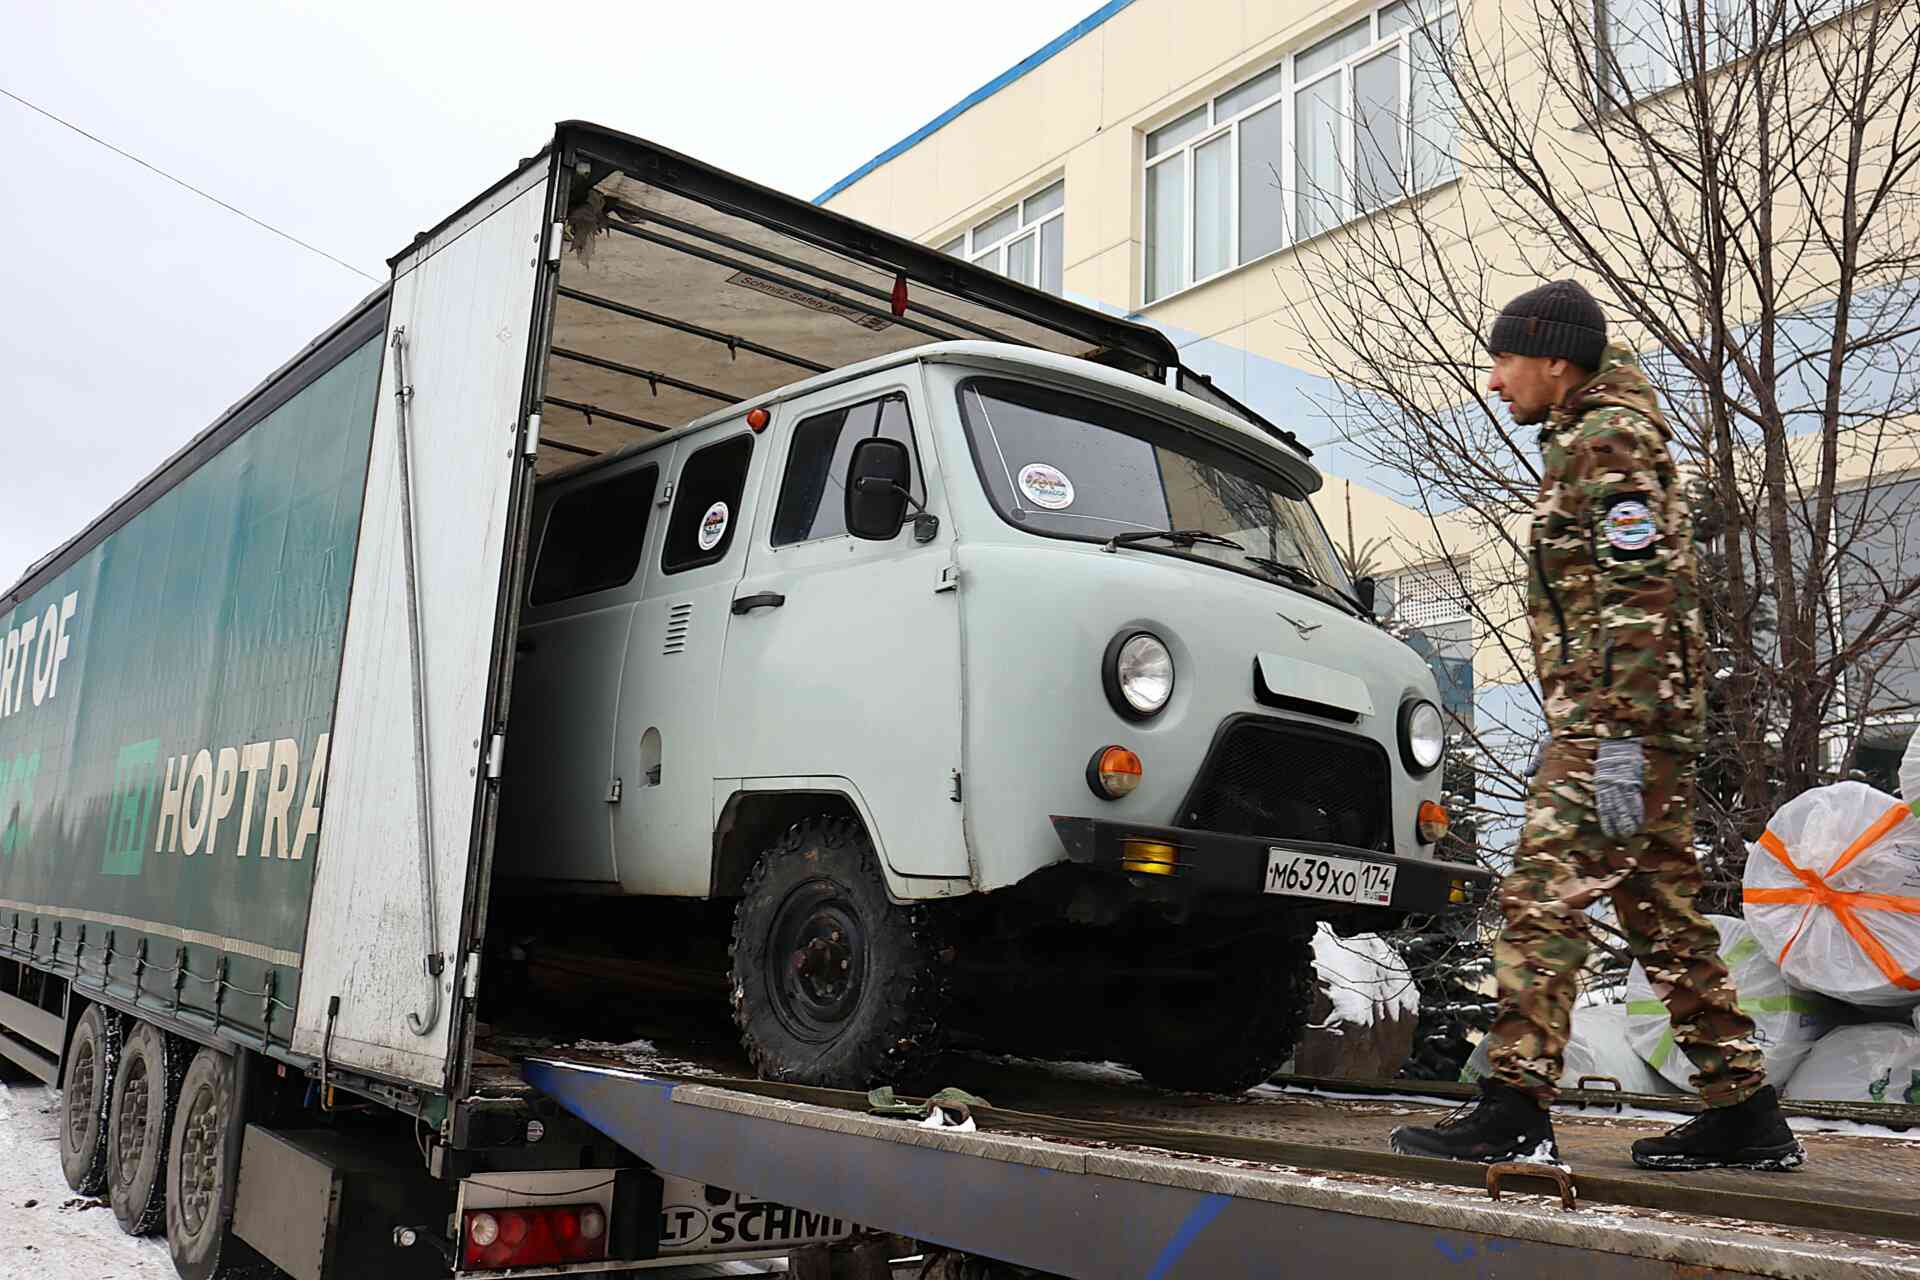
[{"x": 132, "y": 312}]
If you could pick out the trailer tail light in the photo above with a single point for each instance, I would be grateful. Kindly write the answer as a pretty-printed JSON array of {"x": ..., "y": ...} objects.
[{"x": 493, "y": 1239}]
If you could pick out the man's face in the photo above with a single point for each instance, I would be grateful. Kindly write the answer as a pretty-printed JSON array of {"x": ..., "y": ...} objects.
[{"x": 1530, "y": 385}]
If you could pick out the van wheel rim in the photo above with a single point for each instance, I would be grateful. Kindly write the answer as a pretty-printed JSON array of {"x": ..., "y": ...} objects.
[
  {"x": 80, "y": 1094},
  {"x": 133, "y": 1119},
  {"x": 816, "y": 960},
  {"x": 199, "y": 1161}
]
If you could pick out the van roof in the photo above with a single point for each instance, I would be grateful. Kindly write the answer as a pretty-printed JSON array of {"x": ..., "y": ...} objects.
[{"x": 1203, "y": 418}]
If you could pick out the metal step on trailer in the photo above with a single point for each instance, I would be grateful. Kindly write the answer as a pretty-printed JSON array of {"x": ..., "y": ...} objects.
[{"x": 1259, "y": 1185}]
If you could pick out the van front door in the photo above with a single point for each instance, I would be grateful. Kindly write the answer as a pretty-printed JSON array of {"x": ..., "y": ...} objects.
[{"x": 843, "y": 656}]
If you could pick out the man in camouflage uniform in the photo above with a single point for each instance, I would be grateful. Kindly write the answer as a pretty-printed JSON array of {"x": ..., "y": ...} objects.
[{"x": 1615, "y": 616}]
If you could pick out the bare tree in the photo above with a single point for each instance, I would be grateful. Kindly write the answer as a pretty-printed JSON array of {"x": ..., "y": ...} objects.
[{"x": 1738, "y": 182}]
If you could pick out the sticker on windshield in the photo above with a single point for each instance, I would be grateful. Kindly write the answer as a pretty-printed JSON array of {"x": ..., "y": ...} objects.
[
  {"x": 713, "y": 526},
  {"x": 1046, "y": 486}
]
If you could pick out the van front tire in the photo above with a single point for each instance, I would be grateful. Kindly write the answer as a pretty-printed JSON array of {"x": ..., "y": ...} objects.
[{"x": 833, "y": 984}]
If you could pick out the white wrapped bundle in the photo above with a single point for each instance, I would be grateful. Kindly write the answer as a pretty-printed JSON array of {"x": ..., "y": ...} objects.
[
  {"x": 1833, "y": 894},
  {"x": 1597, "y": 1047},
  {"x": 1878, "y": 1062},
  {"x": 1786, "y": 1020}
]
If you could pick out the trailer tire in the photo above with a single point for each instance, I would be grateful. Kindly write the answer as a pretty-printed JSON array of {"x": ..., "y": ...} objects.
[
  {"x": 93, "y": 1055},
  {"x": 1243, "y": 1027},
  {"x": 815, "y": 908},
  {"x": 200, "y": 1178},
  {"x": 139, "y": 1125}
]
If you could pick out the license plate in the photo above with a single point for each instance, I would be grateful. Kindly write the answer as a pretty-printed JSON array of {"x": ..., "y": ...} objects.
[{"x": 1313, "y": 875}]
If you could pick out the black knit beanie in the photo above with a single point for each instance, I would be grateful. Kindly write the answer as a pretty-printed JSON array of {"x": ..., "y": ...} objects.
[{"x": 1557, "y": 319}]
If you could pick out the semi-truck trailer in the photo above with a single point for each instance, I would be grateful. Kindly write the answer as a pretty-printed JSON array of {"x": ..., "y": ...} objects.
[{"x": 652, "y": 537}]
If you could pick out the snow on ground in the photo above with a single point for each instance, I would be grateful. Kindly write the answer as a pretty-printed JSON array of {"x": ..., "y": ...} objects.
[
  {"x": 1364, "y": 977},
  {"x": 46, "y": 1231}
]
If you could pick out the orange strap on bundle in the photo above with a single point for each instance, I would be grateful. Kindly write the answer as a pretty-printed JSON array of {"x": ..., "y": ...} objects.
[{"x": 1845, "y": 905}]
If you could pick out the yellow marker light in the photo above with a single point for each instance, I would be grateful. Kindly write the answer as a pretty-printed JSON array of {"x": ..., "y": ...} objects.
[
  {"x": 1432, "y": 822},
  {"x": 1456, "y": 891},
  {"x": 1113, "y": 772},
  {"x": 1148, "y": 857}
]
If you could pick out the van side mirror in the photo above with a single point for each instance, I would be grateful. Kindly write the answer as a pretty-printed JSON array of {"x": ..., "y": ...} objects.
[
  {"x": 878, "y": 478},
  {"x": 1365, "y": 590}
]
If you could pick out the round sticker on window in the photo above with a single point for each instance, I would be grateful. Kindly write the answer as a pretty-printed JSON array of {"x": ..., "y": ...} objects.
[
  {"x": 1046, "y": 486},
  {"x": 713, "y": 526}
]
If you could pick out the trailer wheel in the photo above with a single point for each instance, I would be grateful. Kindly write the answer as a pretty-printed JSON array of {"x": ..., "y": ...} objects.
[
  {"x": 92, "y": 1058},
  {"x": 833, "y": 983},
  {"x": 201, "y": 1180},
  {"x": 145, "y": 1089},
  {"x": 1230, "y": 1033}
]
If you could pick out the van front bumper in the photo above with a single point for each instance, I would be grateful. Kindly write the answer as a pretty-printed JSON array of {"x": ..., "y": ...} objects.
[{"x": 1209, "y": 862}]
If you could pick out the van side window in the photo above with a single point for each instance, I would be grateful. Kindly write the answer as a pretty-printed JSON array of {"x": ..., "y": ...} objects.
[
  {"x": 813, "y": 492},
  {"x": 706, "y": 507},
  {"x": 594, "y": 537}
]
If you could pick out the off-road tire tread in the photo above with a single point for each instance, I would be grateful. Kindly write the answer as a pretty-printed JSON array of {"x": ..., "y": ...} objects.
[
  {"x": 1263, "y": 1037},
  {"x": 143, "y": 1210},
  {"x": 86, "y": 1171},
  {"x": 908, "y": 1031}
]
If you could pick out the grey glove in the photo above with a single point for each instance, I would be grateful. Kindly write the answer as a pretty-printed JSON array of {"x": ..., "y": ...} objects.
[{"x": 1619, "y": 767}]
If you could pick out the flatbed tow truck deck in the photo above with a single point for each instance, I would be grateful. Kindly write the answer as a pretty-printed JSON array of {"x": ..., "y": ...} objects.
[{"x": 1080, "y": 1173}]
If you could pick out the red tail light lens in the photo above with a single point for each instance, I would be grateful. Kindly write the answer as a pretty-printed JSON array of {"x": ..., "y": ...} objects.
[{"x": 492, "y": 1239}]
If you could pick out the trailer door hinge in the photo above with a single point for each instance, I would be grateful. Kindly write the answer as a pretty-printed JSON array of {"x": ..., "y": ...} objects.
[
  {"x": 613, "y": 792},
  {"x": 496, "y": 756},
  {"x": 556, "y": 239},
  {"x": 955, "y": 793},
  {"x": 472, "y": 977},
  {"x": 533, "y": 435}
]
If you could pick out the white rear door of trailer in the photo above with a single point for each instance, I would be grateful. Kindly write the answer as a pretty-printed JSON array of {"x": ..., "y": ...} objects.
[{"x": 385, "y": 900}]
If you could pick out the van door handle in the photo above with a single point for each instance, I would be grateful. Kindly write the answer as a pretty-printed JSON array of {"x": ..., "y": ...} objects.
[{"x": 760, "y": 600}]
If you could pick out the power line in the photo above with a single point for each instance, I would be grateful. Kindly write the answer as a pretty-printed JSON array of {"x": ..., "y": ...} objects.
[{"x": 265, "y": 226}]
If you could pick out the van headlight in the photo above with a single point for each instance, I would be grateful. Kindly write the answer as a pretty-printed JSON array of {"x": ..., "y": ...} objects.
[
  {"x": 1138, "y": 674},
  {"x": 1423, "y": 735}
]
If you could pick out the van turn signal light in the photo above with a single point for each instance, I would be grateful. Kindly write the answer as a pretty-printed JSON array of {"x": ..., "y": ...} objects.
[
  {"x": 1113, "y": 772},
  {"x": 757, "y": 420},
  {"x": 1433, "y": 822}
]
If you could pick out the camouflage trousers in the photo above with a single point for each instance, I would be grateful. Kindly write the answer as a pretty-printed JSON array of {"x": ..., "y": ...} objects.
[{"x": 1565, "y": 863}]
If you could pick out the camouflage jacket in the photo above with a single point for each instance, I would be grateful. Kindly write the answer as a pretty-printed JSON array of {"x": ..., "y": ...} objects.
[{"x": 1612, "y": 598}]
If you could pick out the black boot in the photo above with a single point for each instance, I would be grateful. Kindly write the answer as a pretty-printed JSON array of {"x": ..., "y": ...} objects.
[
  {"x": 1748, "y": 1135},
  {"x": 1503, "y": 1123}
]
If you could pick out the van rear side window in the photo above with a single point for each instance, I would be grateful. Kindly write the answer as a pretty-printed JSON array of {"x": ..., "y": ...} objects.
[
  {"x": 594, "y": 537},
  {"x": 706, "y": 505}
]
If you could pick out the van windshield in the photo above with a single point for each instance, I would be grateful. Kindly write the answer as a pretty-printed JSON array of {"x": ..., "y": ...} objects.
[{"x": 1066, "y": 466}]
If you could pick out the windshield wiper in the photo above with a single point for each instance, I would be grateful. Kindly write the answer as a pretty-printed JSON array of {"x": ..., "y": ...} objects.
[
  {"x": 1178, "y": 537},
  {"x": 1304, "y": 578}
]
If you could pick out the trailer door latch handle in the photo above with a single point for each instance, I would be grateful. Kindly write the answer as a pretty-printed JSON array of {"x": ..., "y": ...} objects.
[{"x": 759, "y": 600}]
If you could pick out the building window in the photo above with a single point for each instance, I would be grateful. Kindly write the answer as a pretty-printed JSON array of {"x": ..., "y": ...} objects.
[
  {"x": 1024, "y": 242},
  {"x": 1646, "y": 46},
  {"x": 1428, "y": 604},
  {"x": 1339, "y": 128}
]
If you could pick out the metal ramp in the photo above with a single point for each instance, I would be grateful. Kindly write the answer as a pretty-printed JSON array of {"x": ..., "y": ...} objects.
[{"x": 1093, "y": 1206}]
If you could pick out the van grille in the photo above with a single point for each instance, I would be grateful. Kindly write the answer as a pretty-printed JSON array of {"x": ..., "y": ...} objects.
[
  {"x": 1292, "y": 782},
  {"x": 679, "y": 620}
]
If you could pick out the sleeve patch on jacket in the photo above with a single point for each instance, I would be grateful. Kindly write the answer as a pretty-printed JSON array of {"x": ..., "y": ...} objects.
[{"x": 1630, "y": 527}]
